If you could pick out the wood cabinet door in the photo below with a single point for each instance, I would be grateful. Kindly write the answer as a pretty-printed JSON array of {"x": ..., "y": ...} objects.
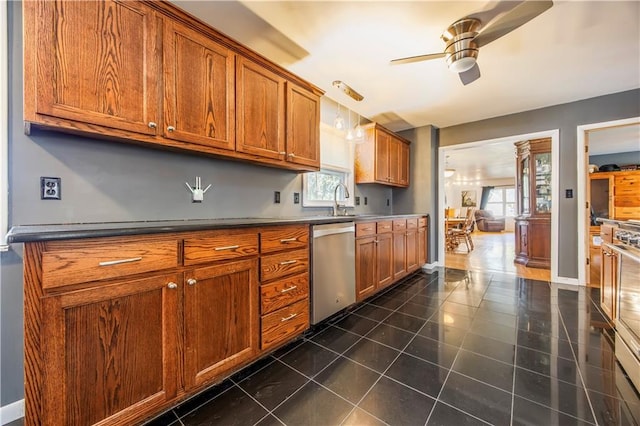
[
  {"x": 260, "y": 100},
  {"x": 412, "y": 250},
  {"x": 110, "y": 352},
  {"x": 366, "y": 259},
  {"x": 608, "y": 281},
  {"x": 522, "y": 241},
  {"x": 404, "y": 165},
  {"x": 384, "y": 254},
  {"x": 221, "y": 319},
  {"x": 382, "y": 153},
  {"x": 422, "y": 246},
  {"x": 394, "y": 160},
  {"x": 199, "y": 88},
  {"x": 399, "y": 255},
  {"x": 97, "y": 63},
  {"x": 303, "y": 127}
]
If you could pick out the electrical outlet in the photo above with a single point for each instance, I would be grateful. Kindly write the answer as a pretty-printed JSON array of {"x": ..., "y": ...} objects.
[
  {"x": 50, "y": 188},
  {"x": 365, "y": 201},
  {"x": 357, "y": 201},
  {"x": 296, "y": 198},
  {"x": 276, "y": 197},
  {"x": 387, "y": 201}
]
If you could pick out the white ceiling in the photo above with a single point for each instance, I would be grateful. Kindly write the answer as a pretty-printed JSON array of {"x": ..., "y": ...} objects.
[{"x": 575, "y": 50}]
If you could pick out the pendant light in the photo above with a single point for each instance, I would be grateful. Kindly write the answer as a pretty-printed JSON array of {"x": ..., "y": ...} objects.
[
  {"x": 359, "y": 131},
  {"x": 338, "y": 122},
  {"x": 350, "y": 136}
]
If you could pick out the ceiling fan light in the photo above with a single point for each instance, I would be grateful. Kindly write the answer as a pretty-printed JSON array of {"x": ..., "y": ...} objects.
[{"x": 462, "y": 64}]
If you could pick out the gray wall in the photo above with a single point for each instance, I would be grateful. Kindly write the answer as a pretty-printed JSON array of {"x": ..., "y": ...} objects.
[
  {"x": 619, "y": 158},
  {"x": 422, "y": 195},
  {"x": 565, "y": 117},
  {"x": 110, "y": 182}
]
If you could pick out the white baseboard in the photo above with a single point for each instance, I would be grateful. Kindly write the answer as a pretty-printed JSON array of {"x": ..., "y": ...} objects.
[
  {"x": 11, "y": 412},
  {"x": 428, "y": 266}
]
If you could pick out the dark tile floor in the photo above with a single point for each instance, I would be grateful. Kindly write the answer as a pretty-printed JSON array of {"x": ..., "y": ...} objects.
[{"x": 446, "y": 348}]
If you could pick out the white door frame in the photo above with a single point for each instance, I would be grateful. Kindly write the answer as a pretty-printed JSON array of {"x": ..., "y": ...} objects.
[
  {"x": 554, "y": 134},
  {"x": 583, "y": 165}
]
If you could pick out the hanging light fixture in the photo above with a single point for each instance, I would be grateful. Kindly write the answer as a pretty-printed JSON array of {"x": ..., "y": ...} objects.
[
  {"x": 448, "y": 172},
  {"x": 350, "y": 136},
  {"x": 338, "y": 122},
  {"x": 359, "y": 131}
]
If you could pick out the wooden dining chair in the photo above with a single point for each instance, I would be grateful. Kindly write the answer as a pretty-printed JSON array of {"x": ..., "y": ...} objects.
[{"x": 457, "y": 235}]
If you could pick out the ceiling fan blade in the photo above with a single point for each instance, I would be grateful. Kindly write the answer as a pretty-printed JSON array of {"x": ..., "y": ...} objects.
[
  {"x": 418, "y": 58},
  {"x": 511, "y": 20},
  {"x": 497, "y": 7},
  {"x": 470, "y": 75}
]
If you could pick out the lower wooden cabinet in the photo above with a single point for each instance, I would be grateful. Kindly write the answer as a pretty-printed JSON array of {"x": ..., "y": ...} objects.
[
  {"x": 383, "y": 256},
  {"x": 221, "y": 319},
  {"x": 109, "y": 353},
  {"x": 608, "y": 279},
  {"x": 125, "y": 344}
]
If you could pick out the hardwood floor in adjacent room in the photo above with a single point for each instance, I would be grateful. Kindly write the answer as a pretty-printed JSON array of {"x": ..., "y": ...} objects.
[{"x": 494, "y": 251}]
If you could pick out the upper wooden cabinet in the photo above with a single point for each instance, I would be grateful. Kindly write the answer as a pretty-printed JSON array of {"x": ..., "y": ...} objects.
[
  {"x": 199, "y": 90},
  {"x": 614, "y": 195},
  {"x": 303, "y": 127},
  {"x": 93, "y": 63},
  {"x": 148, "y": 72},
  {"x": 382, "y": 158},
  {"x": 260, "y": 110}
]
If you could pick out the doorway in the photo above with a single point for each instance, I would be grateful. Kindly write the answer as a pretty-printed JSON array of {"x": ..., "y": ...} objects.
[
  {"x": 442, "y": 153},
  {"x": 583, "y": 144}
]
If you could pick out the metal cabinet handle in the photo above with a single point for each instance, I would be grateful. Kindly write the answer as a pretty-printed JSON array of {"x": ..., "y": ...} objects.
[
  {"x": 226, "y": 248},
  {"x": 170, "y": 129},
  {"x": 192, "y": 281},
  {"x": 288, "y": 240},
  {"x": 152, "y": 125},
  {"x": 283, "y": 153},
  {"x": 288, "y": 262},
  {"x": 119, "y": 261},
  {"x": 172, "y": 285},
  {"x": 376, "y": 241},
  {"x": 286, "y": 290},
  {"x": 292, "y": 155},
  {"x": 287, "y": 318}
]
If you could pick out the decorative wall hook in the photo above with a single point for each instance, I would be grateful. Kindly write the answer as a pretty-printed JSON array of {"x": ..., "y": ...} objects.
[{"x": 197, "y": 193}]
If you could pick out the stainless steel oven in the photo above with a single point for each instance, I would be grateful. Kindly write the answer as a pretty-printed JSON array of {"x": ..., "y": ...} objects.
[{"x": 628, "y": 306}]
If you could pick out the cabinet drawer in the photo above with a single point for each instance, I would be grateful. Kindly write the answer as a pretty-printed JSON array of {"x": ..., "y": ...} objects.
[
  {"x": 91, "y": 260},
  {"x": 384, "y": 226},
  {"x": 626, "y": 213},
  {"x": 284, "y": 238},
  {"x": 219, "y": 246},
  {"x": 422, "y": 222},
  {"x": 626, "y": 185},
  {"x": 284, "y": 323},
  {"x": 399, "y": 225},
  {"x": 412, "y": 223},
  {"x": 365, "y": 229},
  {"x": 284, "y": 292},
  {"x": 282, "y": 264}
]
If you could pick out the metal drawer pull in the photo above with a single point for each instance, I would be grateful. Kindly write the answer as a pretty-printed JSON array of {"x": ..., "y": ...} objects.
[
  {"x": 376, "y": 241},
  {"x": 288, "y": 262},
  {"x": 119, "y": 261},
  {"x": 287, "y": 318},
  {"x": 191, "y": 281},
  {"x": 367, "y": 229},
  {"x": 172, "y": 285},
  {"x": 286, "y": 290},
  {"x": 288, "y": 240},
  {"x": 226, "y": 248}
]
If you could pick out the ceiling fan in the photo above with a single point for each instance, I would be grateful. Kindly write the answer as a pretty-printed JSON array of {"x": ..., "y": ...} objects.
[{"x": 464, "y": 37}]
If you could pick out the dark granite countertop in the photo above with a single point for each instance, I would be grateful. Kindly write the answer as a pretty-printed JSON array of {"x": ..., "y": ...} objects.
[{"x": 33, "y": 233}]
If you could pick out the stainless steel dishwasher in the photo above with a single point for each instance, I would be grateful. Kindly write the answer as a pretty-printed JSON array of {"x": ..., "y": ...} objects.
[{"x": 333, "y": 285}]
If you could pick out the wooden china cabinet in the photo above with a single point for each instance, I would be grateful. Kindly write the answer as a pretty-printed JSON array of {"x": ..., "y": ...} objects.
[{"x": 533, "y": 217}]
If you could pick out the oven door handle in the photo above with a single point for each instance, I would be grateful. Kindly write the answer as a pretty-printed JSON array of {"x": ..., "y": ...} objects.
[{"x": 622, "y": 250}]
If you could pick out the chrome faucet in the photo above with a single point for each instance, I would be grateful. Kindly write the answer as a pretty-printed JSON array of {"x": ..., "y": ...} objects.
[{"x": 336, "y": 206}]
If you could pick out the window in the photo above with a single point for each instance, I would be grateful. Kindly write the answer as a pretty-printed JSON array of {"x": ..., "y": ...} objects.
[
  {"x": 318, "y": 187},
  {"x": 502, "y": 202}
]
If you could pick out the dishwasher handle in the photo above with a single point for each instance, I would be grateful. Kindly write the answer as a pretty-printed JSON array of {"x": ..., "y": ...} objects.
[{"x": 317, "y": 233}]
